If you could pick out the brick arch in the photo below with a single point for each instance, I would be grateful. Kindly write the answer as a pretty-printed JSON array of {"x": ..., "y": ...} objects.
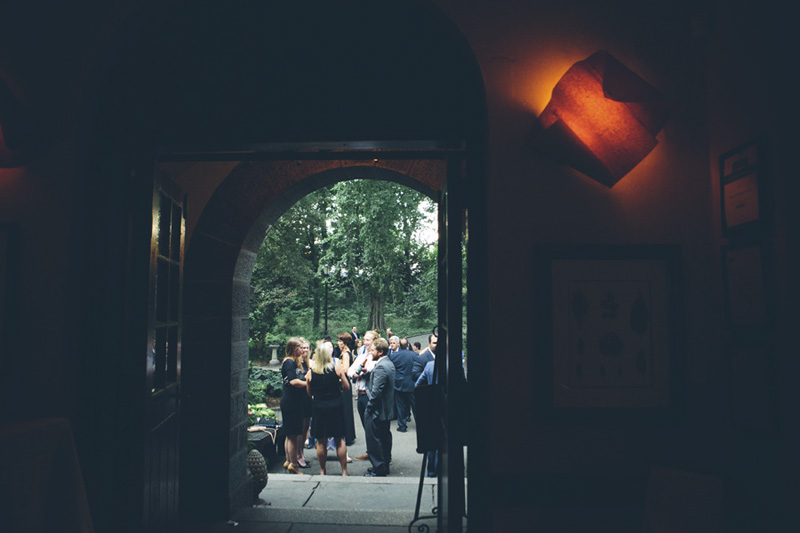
[{"x": 218, "y": 268}]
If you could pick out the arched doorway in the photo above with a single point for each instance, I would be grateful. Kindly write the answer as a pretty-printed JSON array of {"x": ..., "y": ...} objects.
[
  {"x": 235, "y": 83},
  {"x": 249, "y": 199}
]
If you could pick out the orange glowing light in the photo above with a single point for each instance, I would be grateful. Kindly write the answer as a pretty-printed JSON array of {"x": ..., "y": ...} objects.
[{"x": 602, "y": 119}]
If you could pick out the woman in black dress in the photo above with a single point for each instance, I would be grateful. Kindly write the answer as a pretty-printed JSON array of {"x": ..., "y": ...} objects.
[
  {"x": 292, "y": 400},
  {"x": 345, "y": 341},
  {"x": 324, "y": 383}
]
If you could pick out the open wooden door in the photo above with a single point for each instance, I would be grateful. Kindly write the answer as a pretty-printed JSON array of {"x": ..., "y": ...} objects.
[
  {"x": 162, "y": 392},
  {"x": 452, "y": 506}
]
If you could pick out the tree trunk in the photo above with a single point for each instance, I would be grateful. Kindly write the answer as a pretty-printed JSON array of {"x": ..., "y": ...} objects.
[
  {"x": 376, "y": 319},
  {"x": 316, "y": 318}
]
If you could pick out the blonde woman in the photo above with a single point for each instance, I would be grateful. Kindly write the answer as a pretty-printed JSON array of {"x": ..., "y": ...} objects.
[
  {"x": 324, "y": 383},
  {"x": 301, "y": 439},
  {"x": 292, "y": 400}
]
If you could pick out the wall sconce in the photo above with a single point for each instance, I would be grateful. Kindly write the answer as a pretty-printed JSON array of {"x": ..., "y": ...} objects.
[
  {"x": 15, "y": 129},
  {"x": 602, "y": 119}
]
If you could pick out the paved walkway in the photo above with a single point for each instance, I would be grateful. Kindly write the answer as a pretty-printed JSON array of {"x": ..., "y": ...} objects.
[{"x": 312, "y": 503}]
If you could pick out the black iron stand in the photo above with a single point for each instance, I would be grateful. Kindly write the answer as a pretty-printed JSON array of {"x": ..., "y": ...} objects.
[{"x": 422, "y": 528}]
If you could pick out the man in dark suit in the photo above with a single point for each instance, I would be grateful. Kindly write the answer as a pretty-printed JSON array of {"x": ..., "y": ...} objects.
[
  {"x": 379, "y": 410},
  {"x": 403, "y": 360},
  {"x": 424, "y": 357}
]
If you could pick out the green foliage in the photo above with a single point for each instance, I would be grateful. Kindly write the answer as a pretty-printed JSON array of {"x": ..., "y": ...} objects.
[
  {"x": 256, "y": 391},
  {"x": 264, "y": 382},
  {"x": 351, "y": 252},
  {"x": 284, "y": 277},
  {"x": 373, "y": 246},
  {"x": 258, "y": 411}
]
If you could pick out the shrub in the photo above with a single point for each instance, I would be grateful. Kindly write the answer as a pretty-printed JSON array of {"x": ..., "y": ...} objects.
[{"x": 264, "y": 382}]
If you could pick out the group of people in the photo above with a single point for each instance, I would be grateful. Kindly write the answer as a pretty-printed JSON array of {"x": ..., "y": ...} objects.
[{"x": 317, "y": 395}]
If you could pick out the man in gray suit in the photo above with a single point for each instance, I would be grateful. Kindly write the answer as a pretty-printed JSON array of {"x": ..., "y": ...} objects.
[{"x": 379, "y": 410}]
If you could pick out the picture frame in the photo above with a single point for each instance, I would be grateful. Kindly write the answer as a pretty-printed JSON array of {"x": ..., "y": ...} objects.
[
  {"x": 743, "y": 188},
  {"x": 606, "y": 330},
  {"x": 747, "y": 294}
]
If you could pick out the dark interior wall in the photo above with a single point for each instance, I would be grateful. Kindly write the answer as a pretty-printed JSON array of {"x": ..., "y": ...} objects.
[
  {"x": 32, "y": 202},
  {"x": 749, "y": 85},
  {"x": 665, "y": 199},
  {"x": 697, "y": 55}
]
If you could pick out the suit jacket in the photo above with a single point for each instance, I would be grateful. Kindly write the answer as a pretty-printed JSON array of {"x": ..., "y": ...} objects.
[
  {"x": 420, "y": 361},
  {"x": 403, "y": 363},
  {"x": 380, "y": 390},
  {"x": 426, "y": 378}
]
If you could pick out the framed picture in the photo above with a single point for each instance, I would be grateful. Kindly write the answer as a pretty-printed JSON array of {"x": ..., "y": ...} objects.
[
  {"x": 745, "y": 288},
  {"x": 743, "y": 180},
  {"x": 606, "y": 322}
]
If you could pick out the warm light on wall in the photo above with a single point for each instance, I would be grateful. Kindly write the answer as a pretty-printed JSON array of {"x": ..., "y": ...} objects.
[{"x": 602, "y": 119}]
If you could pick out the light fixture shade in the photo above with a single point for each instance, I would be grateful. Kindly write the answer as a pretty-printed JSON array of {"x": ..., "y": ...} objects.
[{"x": 602, "y": 119}]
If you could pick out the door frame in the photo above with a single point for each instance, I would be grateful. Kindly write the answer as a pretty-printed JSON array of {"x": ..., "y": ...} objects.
[{"x": 343, "y": 151}]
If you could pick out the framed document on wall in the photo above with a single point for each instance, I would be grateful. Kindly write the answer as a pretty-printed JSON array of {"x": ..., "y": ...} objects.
[{"x": 743, "y": 180}]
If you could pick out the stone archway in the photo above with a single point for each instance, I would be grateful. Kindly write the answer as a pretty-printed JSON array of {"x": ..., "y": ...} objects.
[
  {"x": 228, "y": 79},
  {"x": 219, "y": 264}
]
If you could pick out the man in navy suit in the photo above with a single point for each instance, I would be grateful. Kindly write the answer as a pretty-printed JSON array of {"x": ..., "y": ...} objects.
[
  {"x": 379, "y": 410},
  {"x": 424, "y": 357},
  {"x": 403, "y": 360}
]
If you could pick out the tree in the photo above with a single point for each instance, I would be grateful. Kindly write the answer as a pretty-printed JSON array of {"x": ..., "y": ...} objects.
[
  {"x": 284, "y": 276},
  {"x": 360, "y": 241},
  {"x": 372, "y": 244}
]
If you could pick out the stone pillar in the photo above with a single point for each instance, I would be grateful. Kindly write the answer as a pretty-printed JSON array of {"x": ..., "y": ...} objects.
[{"x": 274, "y": 361}]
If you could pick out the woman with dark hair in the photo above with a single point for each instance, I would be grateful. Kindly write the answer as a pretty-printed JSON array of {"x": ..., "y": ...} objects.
[
  {"x": 345, "y": 341},
  {"x": 292, "y": 400},
  {"x": 324, "y": 382}
]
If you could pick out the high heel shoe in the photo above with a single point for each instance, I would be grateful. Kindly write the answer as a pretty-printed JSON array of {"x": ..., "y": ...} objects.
[
  {"x": 286, "y": 465},
  {"x": 293, "y": 470}
]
